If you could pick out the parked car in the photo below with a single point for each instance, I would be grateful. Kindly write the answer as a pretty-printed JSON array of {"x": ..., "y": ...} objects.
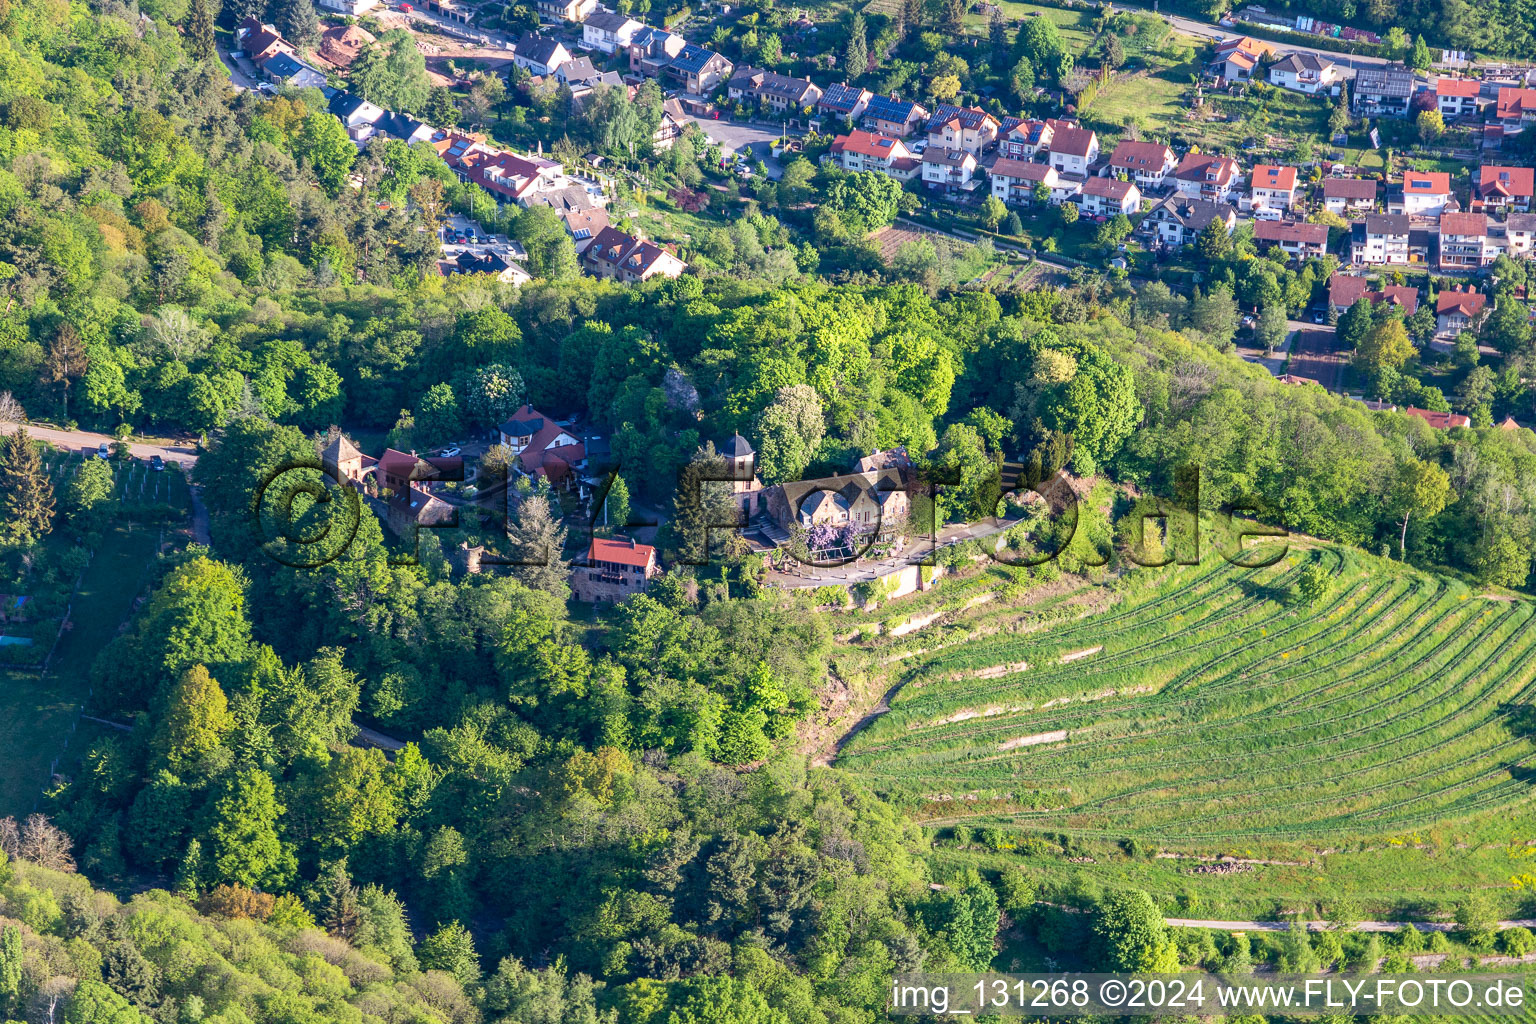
[
  {"x": 104, "y": 450},
  {"x": 156, "y": 463},
  {"x": 450, "y": 452}
]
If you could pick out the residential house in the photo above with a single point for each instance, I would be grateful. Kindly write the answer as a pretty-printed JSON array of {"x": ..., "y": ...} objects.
[
  {"x": 1237, "y": 59},
  {"x": 619, "y": 257},
  {"x": 1423, "y": 194},
  {"x": 1458, "y": 309},
  {"x": 1014, "y": 181},
  {"x": 615, "y": 568},
  {"x": 1306, "y": 72},
  {"x": 1344, "y": 290},
  {"x": 543, "y": 448},
  {"x": 844, "y": 101},
  {"x": 1349, "y": 195},
  {"x": 1178, "y": 220},
  {"x": 1272, "y": 190},
  {"x": 609, "y": 32},
  {"x": 1025, "y": 140},
  {"x": 567, "y": 10},
  {"x": 866, "y": 151},
  {"x": 486, "y": 262},
  {"x": 1505, "y": 188},
  {"x": 652, "y": 49},
  {"x": 1382, "y": 91},
  {"x": 348, "y": 7},
  {"x": 1457, "y": 97},
  {"x": 1299, "y": 241},
  {"x": 258, "y": 41},
  {"x": 1520, "y": 234},
  {"x": 405, "y": 128},
  {"x": 1465, "y": 242},
  {"x": 969, "y": 129},
  {"x": 1206, "y": 176},
  {"x": 772, "y": 90},
  {"x": 352, "y": 110},
  {"x": 697, "y": 70},
  {"x": 673, "y": 124},
  {"x": 539, "y": 54},
  {"x": 1380, "y": 238},
  {"x": 1148, "y": 164},
  {"x": 891, "y": 116},
  {"x": 286, "y": 69},
  {"x": 508, "y": 175},
  {"x": 577, "y": 72},
  {"x": 583, "y": 225},
  {"x": 1439, "y": 420},
  {"x": 874, "y": 501},
  {"x": 952, "y": 168},
  {"x": 1106, "y": 197},
  {"x": 1515, "y": 108},
  {"x": 1073, "y": 149}
]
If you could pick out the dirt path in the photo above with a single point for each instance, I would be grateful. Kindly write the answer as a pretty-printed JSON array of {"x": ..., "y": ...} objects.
[{"x": 1323, "y": 926}]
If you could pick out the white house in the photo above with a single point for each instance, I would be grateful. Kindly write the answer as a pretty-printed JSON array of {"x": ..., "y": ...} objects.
[
  {"x": 1272, "y": 190},
  {"x": 868, "y": 151},
  {"x": 1073, "y": 149},
  {"x": 1177, "y": 219},
  {"x": 1014, "y": 181},
  {"x": 1306, "y": 72},
  {"x": 1380, "y": 238},
  {"x": 609, "y": 32},
  {"x": 1146, "y": 163},
  {"x": 540, "y": 55},
  {"x": 1206, "y": 176},
  {"x": 1424, "y": 194},
  {"x": 1457, "y": 97},
  {"x": 1344, "y": 195},
  {"x": 1106, "y": 197},
  {"x": 954, "y": 168}
]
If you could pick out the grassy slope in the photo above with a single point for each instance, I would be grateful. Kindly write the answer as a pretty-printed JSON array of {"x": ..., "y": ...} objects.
[{"x": 36, "y": 713}]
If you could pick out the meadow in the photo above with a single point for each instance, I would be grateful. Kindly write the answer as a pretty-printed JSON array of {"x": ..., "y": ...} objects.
[{"x": 1212, "y": 713}]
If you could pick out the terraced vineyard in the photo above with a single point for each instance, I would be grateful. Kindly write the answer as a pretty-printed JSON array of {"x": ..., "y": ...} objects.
[{"x": 1217, "y": 708}]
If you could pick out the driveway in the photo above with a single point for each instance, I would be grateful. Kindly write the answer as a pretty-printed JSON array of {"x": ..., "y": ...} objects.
[{"x": 731, "y": 136}]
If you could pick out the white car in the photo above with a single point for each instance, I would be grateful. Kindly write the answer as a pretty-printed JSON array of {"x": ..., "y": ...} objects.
[
  {"x": 743, "y": 171},
  {"x": 450, "y": 452}
]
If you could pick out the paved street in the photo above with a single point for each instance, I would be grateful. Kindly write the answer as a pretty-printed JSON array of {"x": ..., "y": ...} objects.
[
  {"x": 1348, "y": 61},
  {"x": 733, "y": 135},
  {"x": 75, "y": 440}
]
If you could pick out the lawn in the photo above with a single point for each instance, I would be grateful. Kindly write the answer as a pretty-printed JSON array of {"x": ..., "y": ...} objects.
[
  {"x": 1076, "y": 26},
  {"x": 1158, "y": 100},
  {"x": 1375, "y": 742},
  {"x": 37, "y": 712}
]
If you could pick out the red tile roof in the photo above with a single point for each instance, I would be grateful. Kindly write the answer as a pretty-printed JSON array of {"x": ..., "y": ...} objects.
[
  {"x": 1466, "y": 224},
  {"x": 870, "y": 144},
  {"x": 1455, "y": 300},
  {"x": 1108, "y": 188},
  {"x": 1219, "y": 170},
  {"x": 1427, "y": 183},
  {"x": 622, "y": 551},
  {"x": 1513, "y": 102},
  {"x": 1349, "y": 188},
  {"x": 1290, "y": 231},
  {"x": 1024, "y": 170},
  {"x": 1072, "y": 140},
  {"x": 1439, "y": 420},
  {"x": 1466, "y": 88},
  {"x": 1506, "y": 181},
  {"x": 1134, "y": 156},
  {"x": 1270, "y": 176}
]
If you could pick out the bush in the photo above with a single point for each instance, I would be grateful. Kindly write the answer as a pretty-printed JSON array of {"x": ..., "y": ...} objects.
[{"x": 1516, "y": 941}]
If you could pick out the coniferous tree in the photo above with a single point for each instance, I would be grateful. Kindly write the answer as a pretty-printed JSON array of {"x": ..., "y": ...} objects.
[
  {"x": 617, "y": 505},
  {"x": 299, "y": 23},
  {"x": 856, "y": 56},
  {"x": 26, "y": 495},
  {"x": 537, "y": 539},
  {"x": 339, "y": 907},
  {"x": 189, "y": 873},
  {"x": 200, "y": 31},
  {"x": 11, "y": 956},
  {"x": 66, "y": 362}
]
